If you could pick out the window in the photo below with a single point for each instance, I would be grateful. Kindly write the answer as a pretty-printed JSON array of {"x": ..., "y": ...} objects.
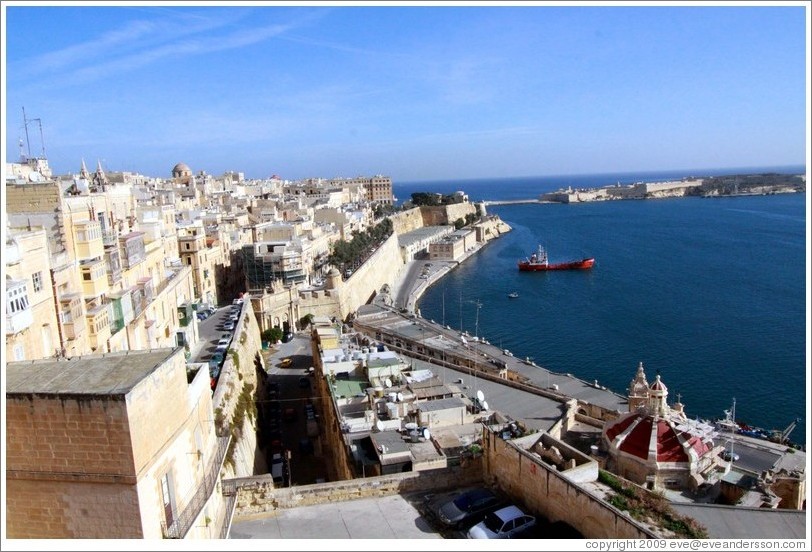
[
  {"x": 168, "y": 496},
  {"x": 37, "y": 277},
  {"x": 86, "y": 276},
  {"x": 19, "y": 352}
]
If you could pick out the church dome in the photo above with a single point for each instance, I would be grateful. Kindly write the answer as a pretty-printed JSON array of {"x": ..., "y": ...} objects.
[
  {"x": 181, "y": 169},
  {"x": 658, "y": 385}
]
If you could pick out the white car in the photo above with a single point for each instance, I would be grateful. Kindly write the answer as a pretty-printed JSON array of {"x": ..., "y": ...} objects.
[
  {"x": 228, "y": 326},
  {"x": 505, "y": 523},
  {"x": 222, "y": 345}
]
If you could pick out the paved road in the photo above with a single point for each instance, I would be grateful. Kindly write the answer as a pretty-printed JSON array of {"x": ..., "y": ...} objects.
[
  {"x": 289, "y": 429},
  {"x": 389, "y": 517}
]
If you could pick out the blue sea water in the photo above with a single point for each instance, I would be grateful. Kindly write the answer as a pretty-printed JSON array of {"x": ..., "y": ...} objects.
[{"x": 710, "y": 293}]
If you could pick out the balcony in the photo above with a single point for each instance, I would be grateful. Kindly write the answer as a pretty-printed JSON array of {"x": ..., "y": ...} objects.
[
  {"x": 89, "y": 244},
  {"x": 70, "y": 315},
  {"x": 195, "y": 503},
  {"x": 13, "y": 254},
  {"x": 94, "y": 278},
  {"x": 19, "y": 321},
  {"x": 109, "y": 238},
  {"x": 19, "y": 315}
]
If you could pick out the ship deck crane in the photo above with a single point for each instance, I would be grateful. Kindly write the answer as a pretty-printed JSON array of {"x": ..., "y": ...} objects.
[{"x": 783, "y": 436}]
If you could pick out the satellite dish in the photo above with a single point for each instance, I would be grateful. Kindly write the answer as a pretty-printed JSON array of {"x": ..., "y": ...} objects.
[
  {"x": 484, "y": 405},
  {"x": 480, "y": 396},
  {"x": 379, "y": 425},
  {"x": 426, "y": 434},
  {"x": 399, "y": 397},
  {"x": 387, "y": 382}
]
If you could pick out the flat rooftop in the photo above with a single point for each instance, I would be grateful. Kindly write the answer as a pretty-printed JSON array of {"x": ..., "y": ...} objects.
[
  {"x": 102, "y": 375},
  {"x": 727, "y": 522}
]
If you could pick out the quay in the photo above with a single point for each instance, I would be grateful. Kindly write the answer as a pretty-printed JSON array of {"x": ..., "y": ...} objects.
[{"x": 510, "y": 201}]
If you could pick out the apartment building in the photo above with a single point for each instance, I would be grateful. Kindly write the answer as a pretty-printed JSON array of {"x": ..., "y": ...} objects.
[{"x": 32, "y": 328}]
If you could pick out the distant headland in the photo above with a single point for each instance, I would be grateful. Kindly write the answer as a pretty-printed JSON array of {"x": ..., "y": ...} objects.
[{"x": 690, "y": 186}]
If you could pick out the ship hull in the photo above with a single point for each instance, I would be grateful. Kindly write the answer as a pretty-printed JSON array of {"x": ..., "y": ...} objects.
[{"x": 529, "y": 266}]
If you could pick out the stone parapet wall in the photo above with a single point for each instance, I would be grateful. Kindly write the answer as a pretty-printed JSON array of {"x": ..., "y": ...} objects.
[
  {"x": 257, "y": 495},
  {"x": 549, "y": 493},
  {"x": 247, "y": 344}
]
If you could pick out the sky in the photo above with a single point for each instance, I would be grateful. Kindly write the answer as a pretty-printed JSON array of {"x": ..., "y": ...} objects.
[{"x": 414, "y": 92}]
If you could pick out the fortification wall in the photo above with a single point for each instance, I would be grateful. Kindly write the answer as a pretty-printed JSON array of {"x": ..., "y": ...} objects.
[
  {"x": 406, "y": 221},
  {"x": 257, "y": 495},
  {"x": 381, "y": 268}
]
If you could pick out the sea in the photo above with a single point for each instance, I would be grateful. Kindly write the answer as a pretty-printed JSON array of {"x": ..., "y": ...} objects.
[{"x": 710, "y": 293}]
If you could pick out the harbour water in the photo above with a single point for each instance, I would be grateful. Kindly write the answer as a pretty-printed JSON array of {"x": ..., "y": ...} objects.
[{"x": 710, "y": 293}]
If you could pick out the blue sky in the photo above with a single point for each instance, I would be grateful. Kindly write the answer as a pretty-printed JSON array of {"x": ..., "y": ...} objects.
[{"x": 417, "y": 93}]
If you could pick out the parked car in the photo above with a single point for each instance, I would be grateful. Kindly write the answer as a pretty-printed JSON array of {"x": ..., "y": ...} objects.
[
  {"x": 504, "y": 523},
  {"x": 286, "y": 362},
  {"x": 229, "y": 326},
  {"x": 202, "y": 315},
  {"x": 730, "y": 456},
  {"x": 305, "y": 446},
  {"x": 287, "y": 337},
  {"x": 222, "y": 345},
  {"x": 289, "y": 415},
  {"x": 278, "y": 469},
  {"x": 467, "y": 508}
]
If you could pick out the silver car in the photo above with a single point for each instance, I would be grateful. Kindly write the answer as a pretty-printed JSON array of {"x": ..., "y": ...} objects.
[{"x": 502, "y": 524}]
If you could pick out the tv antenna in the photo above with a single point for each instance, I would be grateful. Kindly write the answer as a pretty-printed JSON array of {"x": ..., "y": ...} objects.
[{"x": 27, "y": 140}]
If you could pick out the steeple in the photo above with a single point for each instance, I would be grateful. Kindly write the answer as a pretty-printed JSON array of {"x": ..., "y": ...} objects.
[
  {"x": 83, "y": 171},
  {"x": 638, "y": 390},
  {"x": 100, "y": 181}
]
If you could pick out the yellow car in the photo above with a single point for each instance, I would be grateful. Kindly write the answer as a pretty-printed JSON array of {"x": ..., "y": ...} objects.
[{"x": 286, "y": 363}]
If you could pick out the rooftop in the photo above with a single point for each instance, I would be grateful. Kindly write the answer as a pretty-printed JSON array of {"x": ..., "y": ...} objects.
[{"x": 103, "y": 375}]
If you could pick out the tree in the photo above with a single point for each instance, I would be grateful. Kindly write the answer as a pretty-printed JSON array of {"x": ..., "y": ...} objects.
[{"x": 272, "y": 335}]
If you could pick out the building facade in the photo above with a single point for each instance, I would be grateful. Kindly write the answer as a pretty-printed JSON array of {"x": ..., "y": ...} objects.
[{"x": 119, "y": 445}]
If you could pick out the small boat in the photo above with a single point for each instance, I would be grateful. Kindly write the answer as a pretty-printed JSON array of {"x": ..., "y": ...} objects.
[
  {"x": 538, "y": 261},
  {"x": 513, "y": 295}
]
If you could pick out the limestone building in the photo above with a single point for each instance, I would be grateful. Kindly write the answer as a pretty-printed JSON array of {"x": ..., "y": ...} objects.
[{"x": 120, "y": 445}]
